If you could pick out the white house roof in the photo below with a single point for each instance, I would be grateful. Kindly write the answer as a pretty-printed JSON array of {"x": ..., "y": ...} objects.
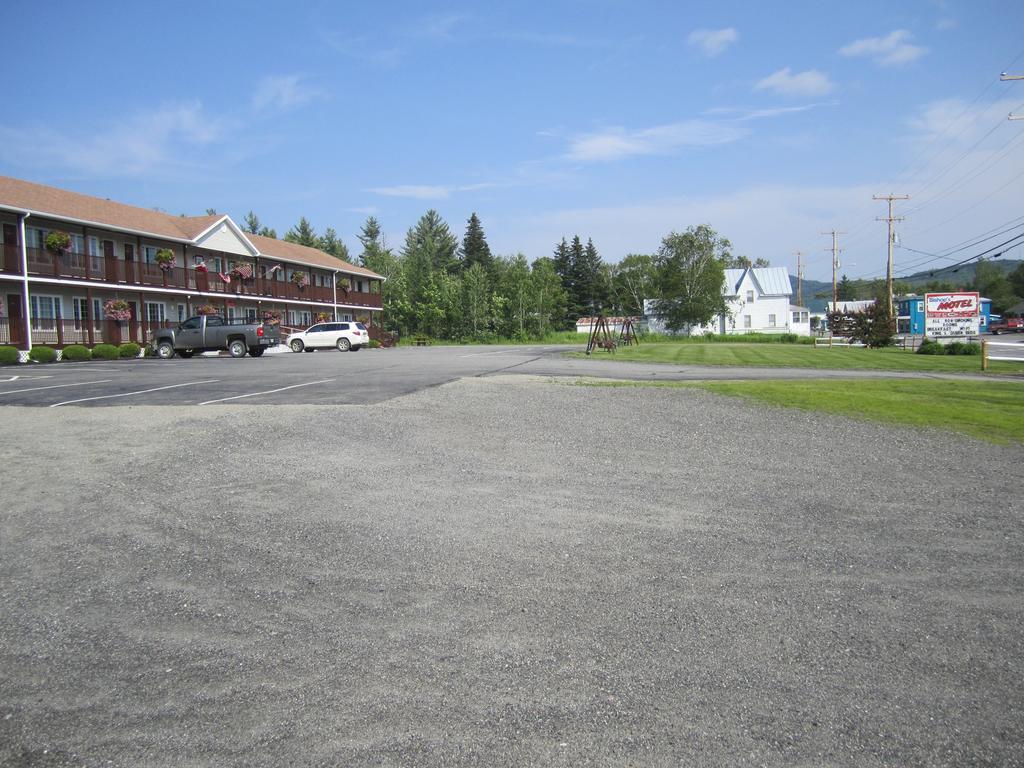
[{"x": 772, "y": 281}]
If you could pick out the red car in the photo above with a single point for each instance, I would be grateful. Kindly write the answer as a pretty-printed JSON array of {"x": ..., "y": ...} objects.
[{"x": 1009, "y": 325}]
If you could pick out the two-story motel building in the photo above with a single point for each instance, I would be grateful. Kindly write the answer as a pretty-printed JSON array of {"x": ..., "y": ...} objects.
[{"x": 58, "y": 298}]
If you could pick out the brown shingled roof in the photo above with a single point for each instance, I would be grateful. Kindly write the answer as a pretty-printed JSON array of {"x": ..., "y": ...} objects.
[
  {"x": 282, "y": 249},
  {"x": 62, "y": 204}
]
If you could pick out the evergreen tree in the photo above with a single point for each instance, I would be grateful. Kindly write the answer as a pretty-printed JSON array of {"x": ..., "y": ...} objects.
[
  {"x": 474, "y": 246},
  {"x": 303, "y": 234},
  {"x": 589, "y": 282},
  {"x": 252, "y": 223},
  {"x": 432, "y": 238},
  {"x": 332, "y": 244},
  {"x": 563, "y": 263},
  {"x": 372, "y": 239},
  {"x": 845, "y": 290}
]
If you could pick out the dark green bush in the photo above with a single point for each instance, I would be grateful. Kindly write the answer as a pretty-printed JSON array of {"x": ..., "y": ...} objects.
[
  {"x": 931, "y": 347},
  {"x": 129, "y": 349},
  {"x": 374, "y": 344},
  {"x": 789, "y": 338},
  {"x": 104, "y": 352},
  {"x": 9, "y": 356},
  {"x": 42, "y": 354},
  {"x": 75, "y": 353},
  {"x": 963, "y": 348}
]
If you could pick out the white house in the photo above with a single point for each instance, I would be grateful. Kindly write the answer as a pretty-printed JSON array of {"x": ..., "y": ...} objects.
[{"x": 758, "y": 301}]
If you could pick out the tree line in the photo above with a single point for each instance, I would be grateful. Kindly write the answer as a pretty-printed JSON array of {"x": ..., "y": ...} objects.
[{"x": 450, "y": 288}]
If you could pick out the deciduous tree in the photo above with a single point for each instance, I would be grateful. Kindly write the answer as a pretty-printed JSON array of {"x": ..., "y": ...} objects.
[{"x": 691, "y": 274}]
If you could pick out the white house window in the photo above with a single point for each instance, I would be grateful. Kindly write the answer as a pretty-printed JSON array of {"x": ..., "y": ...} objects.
[
  {"x": 156, "y": 312},
  {"x": 45, "y": 311},
  {"x": 796, "y": 317},
  {"x": 805, "y": 317},
  {"x": 750, "y": 296},
  {"x": 746, "y": 321},
  {"x": 771, "y": 321}
]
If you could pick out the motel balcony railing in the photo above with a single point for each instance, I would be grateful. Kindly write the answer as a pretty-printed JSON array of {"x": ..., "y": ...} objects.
[{"x": 101, "y": 269}]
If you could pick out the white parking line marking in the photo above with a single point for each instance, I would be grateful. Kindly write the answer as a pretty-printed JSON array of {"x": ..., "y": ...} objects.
[
  {"x": 54, "y": 386},
  {"x": 268, "y": 392},
  {"x": 13, "y": 378},
  {"x": 139, "y": 392}
]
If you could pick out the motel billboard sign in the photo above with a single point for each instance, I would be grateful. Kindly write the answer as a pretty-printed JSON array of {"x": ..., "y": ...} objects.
[{"x": 952, "y": 314}]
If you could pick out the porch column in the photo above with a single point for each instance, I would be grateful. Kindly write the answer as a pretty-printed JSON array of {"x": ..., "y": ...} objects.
[
  {"x": 88, "y": 259},
  {"x": 143, "y": 317},
  {"x": 26, "y": 315},
  {"x": 334, "y": 283},
  {"x": 90, "y": 320}
]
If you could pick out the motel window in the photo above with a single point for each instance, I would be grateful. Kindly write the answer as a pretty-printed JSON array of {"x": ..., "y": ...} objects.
[
  {"x": 181, "y": 313},
  {"x": 750, "y": 296},
  {"x": 36, "y": 237},
  {"x": 250, "y": 315},
  {"x": 156, "y": 312},
  {"x": 45, "y": 311},
  {"x": 771, "y": 321},
  {"x": 94, "y": 246},
  {"x": 746, "y": 321},
  {"x": 80, "y": 307},
  {"x": 149, "y": 254}
]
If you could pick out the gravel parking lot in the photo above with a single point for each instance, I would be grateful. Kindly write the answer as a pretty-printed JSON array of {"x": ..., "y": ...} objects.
[{"x": 506, "y": 571}]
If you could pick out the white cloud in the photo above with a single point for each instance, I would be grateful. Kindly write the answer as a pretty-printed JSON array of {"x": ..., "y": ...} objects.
[
  {"x": 618, "y": 143},
  {"x": 415, "y": 191},
  {"x": 280, "y": 93},
  {"x": 786, "y": 83},
  {"x": 146, "y": 143},
  {"x": 742, "y": 114},
  {"x": 712, "y": 42},
  {"x": 893, "y": 49},
  {"x": 428, "y": 191}
]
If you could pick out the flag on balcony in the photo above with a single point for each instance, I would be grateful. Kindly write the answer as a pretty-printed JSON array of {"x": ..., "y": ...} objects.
[
  {"x": 272, "y": 270},
  {"x": 201, "y": 267},
  {"x": 225, "y": 278},
  {"x": 243, "y": 269}
]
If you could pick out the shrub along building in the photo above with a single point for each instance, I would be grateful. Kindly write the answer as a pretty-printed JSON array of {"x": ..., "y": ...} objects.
[{"x": 123, "y": 270}]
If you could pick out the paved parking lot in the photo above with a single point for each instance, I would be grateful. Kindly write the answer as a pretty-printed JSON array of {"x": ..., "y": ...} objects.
[
  {"x": 328, "y": 377},
  {"x": 498, "y": 571}
]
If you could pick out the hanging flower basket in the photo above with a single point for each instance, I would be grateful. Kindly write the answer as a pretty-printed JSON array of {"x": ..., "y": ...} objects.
[
  {"x": 206, "y": 309},
  {"x": 242, "y": 270},
  {"x": 272, "y": 316},
  {"x": 322, "y": 317},
  {"x": 165, "y": 259},
  {"x": 299, "y": 278},
  {"x": 117, "y": 309},
  {"x": 58, "y": 242}
]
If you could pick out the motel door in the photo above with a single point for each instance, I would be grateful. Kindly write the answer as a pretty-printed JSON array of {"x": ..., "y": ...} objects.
[
  {"x": 133, "y": 324},
  {"x": 16, "y": 319},
  {"x": 111, "y": 263}
]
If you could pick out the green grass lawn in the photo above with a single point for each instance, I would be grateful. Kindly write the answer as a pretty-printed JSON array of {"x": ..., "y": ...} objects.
[
  {"x": 804, "y": 356},
  {"x": 988, "y": 410}
]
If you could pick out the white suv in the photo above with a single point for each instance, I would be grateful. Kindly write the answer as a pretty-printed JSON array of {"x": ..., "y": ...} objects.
[{"x": 342, "y": 336}]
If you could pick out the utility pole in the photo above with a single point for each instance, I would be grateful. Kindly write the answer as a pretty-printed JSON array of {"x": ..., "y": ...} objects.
[
  {"x": 799, "y": 279},
  {"x": 890, "y": 218},
  {"x": 835, "y": 265}
]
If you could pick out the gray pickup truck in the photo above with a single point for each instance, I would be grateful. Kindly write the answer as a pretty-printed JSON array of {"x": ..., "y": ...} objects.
[{"x": 208, "y": 333}]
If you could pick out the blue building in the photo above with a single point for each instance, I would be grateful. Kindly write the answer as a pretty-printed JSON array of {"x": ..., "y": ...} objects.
[{"x": 910, "y": 314}]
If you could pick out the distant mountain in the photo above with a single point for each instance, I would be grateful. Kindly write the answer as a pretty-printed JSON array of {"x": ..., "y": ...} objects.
[
  {"x": 811, "y": 289},
  {"x": 960, "y": 276}
]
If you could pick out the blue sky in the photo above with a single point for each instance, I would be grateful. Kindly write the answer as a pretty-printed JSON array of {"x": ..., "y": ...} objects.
[{"x": 620, "y": 121}]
